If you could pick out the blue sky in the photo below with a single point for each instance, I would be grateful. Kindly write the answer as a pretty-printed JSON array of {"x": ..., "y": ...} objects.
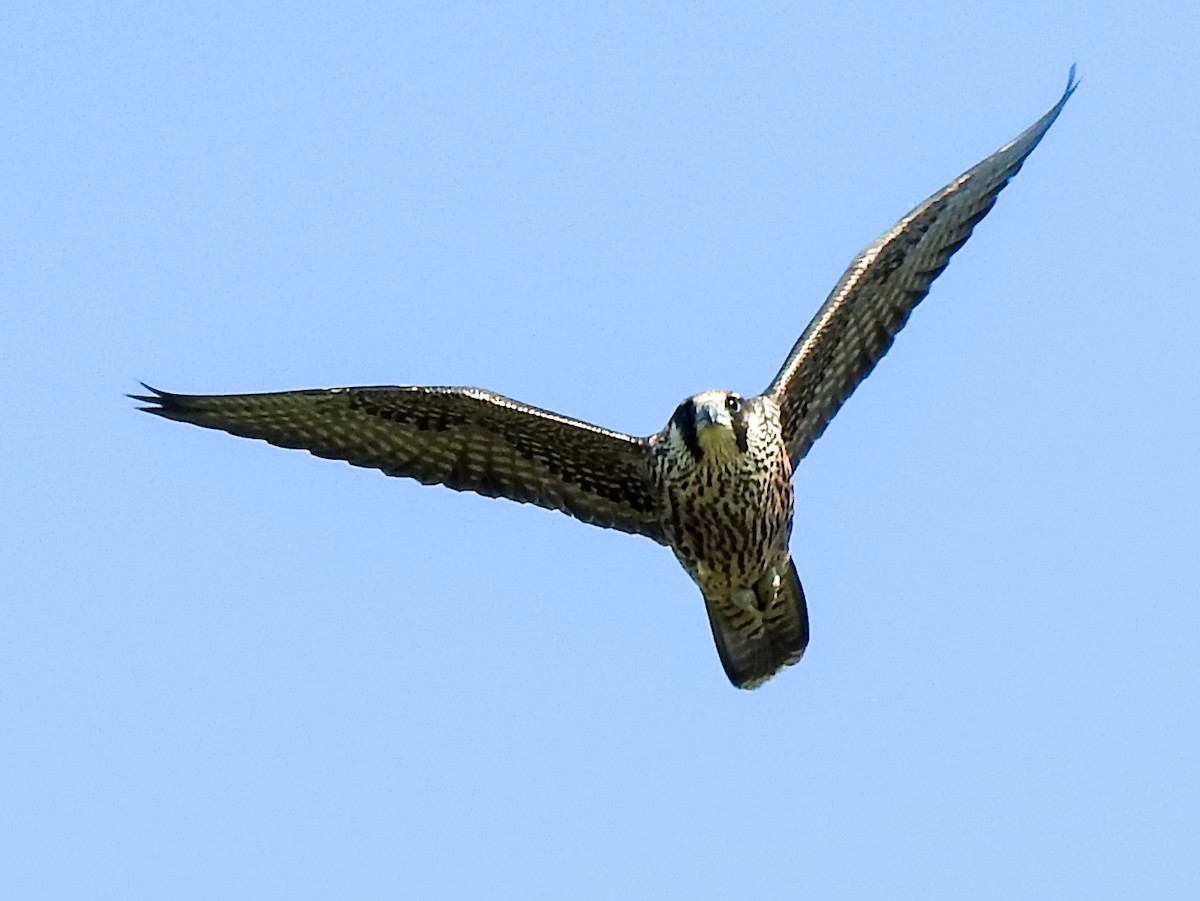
[{"x": 231, "y": 671}]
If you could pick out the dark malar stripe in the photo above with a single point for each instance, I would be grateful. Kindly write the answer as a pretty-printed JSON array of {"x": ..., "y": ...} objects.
[
  {"x": 685, "y": 421},
  {"x": 739, "y": 427}
]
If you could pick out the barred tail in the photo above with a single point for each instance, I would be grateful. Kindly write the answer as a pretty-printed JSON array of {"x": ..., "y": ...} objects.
[{"x": 751, "y": 656}]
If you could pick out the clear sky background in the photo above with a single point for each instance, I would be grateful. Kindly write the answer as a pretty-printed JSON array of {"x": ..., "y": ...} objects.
[{"x": 230, "y": 671}]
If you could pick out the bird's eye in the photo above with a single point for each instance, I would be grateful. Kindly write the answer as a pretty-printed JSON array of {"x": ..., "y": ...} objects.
[{"x": 732, "y": 403}]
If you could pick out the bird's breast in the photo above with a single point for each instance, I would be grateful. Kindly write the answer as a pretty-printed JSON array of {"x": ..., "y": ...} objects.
[{"x": 729, "y": 524}]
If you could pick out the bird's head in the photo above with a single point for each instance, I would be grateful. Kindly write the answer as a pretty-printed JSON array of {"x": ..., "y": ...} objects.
[{"x": 712, "y": 426}]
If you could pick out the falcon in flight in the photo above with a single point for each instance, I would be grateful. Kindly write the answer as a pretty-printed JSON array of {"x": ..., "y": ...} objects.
[{"x": 715, "y": 485}]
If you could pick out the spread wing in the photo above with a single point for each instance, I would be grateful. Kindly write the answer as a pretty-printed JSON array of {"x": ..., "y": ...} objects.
[
  {"x": 465, "y": 438},
  {"x": 860, "y": 319}
]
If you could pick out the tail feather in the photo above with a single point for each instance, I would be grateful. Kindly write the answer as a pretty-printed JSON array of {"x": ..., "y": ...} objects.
[{"x": 751, "y": 657}]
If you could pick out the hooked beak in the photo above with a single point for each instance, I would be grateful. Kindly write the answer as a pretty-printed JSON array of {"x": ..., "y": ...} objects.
[{"x": 709, "y": 414}]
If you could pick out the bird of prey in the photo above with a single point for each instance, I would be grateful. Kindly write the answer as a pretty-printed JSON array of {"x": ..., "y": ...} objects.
[{"x": 714, "y": 485}]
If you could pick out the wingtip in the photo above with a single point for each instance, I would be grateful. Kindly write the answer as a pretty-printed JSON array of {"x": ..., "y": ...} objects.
[
  {"x": 1072, "y": 82},
  {"x": 159, "y": 400},
  {"x": 150, "y": 398}
]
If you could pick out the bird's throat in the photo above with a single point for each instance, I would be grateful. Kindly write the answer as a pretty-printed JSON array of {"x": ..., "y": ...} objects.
[{"x": 718, "y": 442}]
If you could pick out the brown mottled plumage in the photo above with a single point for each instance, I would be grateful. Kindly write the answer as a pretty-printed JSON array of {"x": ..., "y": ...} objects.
[
  {"x": 724, "y": 483},
  {"x": 714, "y": 485}
]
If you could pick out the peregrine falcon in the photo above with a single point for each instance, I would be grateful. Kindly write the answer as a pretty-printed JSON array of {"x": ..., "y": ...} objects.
[{"x": 714, "y": 485}]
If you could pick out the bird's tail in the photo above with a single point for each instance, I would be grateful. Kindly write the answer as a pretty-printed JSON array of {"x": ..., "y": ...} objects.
[{"x": 752, "y": 655}]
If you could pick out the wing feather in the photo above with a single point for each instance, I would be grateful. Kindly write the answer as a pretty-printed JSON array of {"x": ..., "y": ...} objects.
[
  {"x": 872, "y": 301},
  {"x": 464, "y": 438}
]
